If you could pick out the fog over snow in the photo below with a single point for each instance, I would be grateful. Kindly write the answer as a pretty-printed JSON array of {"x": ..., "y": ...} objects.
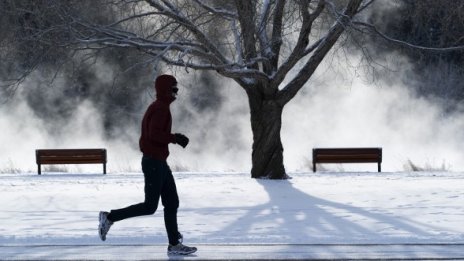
[{"x": 338, "y": 107}]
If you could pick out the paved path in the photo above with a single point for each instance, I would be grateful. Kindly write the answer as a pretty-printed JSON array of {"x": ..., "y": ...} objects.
[{"x": 237, "y": 252}]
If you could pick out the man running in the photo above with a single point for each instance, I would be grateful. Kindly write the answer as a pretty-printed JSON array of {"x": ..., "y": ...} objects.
[{"x": 159, "y": 181}]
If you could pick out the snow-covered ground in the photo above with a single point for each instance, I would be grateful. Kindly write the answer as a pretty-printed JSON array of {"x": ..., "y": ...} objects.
[{"x": 231, "y": 208}]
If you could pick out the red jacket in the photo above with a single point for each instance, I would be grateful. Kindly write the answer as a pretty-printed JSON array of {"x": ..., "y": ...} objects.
[{"x": 157, "y": 121}]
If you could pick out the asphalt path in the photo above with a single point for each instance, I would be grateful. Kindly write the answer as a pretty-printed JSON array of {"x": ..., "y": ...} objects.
[{"x": 238, "y": 252}]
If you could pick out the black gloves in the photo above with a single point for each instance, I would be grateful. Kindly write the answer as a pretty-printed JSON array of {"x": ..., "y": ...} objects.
[{"x": 181, "y": 140}]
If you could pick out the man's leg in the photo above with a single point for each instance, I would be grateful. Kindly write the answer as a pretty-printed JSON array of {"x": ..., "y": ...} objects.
[
  {"x": 152, "y": 171},
  {"x": 170, "y": 201}
]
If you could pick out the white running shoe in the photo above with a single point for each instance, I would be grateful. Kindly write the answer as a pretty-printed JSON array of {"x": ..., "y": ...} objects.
[
  {"x": 104, "y": 225},
  {"x": 181, "y": 249}
]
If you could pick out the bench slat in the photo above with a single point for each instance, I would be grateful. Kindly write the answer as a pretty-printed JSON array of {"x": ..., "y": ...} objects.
[
  {"x": 359, "y": 157},
  {"x": 73, "y": 161},
  {"x": 347, "y": 160},
  {"x": 71, "y": 152},
  {"x": 367, "y": 155},
  {"x": 78, "y": 157},
  {"x": 349, "y": 151},
  {"x": 347, "y": 155}
]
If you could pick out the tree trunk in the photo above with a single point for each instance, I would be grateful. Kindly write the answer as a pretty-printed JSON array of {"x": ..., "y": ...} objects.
[{"x": 267, "y": 155}]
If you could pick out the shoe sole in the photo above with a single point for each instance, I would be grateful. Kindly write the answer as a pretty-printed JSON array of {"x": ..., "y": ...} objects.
[
  {"x": 182, "y": 253},
  {"x": 100, "y": 221}
]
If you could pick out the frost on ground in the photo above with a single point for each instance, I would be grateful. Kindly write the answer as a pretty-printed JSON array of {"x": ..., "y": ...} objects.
[{"x": 321, "y": 208}]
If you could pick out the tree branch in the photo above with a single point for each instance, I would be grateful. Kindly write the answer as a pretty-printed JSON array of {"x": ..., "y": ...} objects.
[
  {"x": 366, "y": 5},
  {"x": 276, "y": 38},
  {"x": 230, "y": 70},
  {"x": 218, "y": 11},
  {"x": 131, "y": 18},
  {"x": 262, "y": 32},
  {"x": 292, "y": 88},
  {"x": 176, "y": 15},
  {"x": 372, "y": 28},
  {"x": 245, "y": 10},
  {"x": 299, "y": 51}
]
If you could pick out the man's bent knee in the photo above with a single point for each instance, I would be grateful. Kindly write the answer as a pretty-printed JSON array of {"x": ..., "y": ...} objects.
[{"x": 150, "y": 208}]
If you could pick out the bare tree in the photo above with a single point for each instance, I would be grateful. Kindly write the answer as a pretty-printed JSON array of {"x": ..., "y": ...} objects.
[
  {"x": 271, "y": 48},
  {"x": 249, "y": 50}
]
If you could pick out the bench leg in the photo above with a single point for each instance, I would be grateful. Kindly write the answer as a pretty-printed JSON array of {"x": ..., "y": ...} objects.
[
  {"x": 379, "y": 167},
  {"x": 39, "y": 171},
  {"x": 314, "y": 167},
  {"x": 104, "y": 168}
]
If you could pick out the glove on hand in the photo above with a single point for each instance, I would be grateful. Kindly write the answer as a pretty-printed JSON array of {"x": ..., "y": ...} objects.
[{"x": 181, "y": 139}]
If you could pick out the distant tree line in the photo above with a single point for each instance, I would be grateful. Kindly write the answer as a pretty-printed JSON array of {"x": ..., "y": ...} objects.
[
  {"x": 58, "y": 77},
  {"x": 426, "y": 23}
]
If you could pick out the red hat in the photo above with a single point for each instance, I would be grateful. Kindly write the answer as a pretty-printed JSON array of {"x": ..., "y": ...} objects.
[{"x": 163, "y": 86}]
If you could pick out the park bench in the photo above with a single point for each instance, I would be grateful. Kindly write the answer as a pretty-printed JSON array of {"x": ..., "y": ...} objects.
[
  {"x": 347, "y": 155},
  {"x": 70, "y": 156}
]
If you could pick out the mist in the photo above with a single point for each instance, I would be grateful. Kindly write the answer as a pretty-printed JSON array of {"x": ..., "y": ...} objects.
[
  {"x": 409, "y": 105},
  {"x": 339, "y": 107},
  {"x": 410, "y": 129}
]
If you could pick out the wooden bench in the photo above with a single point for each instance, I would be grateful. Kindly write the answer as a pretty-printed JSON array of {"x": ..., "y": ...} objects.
[
  {"x": 71, "y": 156},
  {"x": 347, "y": 155}
]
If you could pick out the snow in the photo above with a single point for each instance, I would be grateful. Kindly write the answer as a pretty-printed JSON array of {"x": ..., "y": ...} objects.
[{"x": 318, "y": 210}]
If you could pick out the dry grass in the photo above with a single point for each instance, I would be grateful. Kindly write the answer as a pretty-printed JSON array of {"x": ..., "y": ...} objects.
[{"x": 411, "y": 166}]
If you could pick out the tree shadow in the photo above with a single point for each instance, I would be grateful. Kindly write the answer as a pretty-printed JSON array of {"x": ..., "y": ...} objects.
[{"x": 295, "y": 217}]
